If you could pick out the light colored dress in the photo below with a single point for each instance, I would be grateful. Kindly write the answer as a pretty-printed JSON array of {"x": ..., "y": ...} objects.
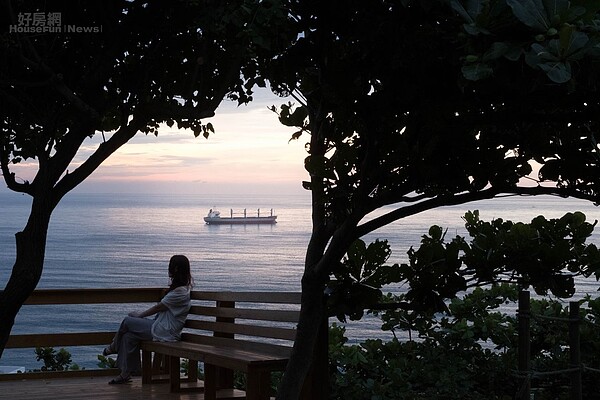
[
  {"x": 168, "y": 324},
  {"x": 166, "y": 327}
]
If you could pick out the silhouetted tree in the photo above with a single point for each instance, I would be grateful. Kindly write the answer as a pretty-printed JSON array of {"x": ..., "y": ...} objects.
[
  {"x": 139, "y": 65},
  {"x": 423, "y": 104}
]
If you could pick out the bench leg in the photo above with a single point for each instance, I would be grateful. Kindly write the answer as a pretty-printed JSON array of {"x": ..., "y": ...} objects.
[
  {"x": 224, "y": 378},
  {"x": 192, "y": 371},
  {"x": 146, "y": 367},
  {"x": 210, "y": 382},
  {"x": 258, "y": 384},
  {"x": 174, "y": 374},
  {"x": 160, "y": 364}
]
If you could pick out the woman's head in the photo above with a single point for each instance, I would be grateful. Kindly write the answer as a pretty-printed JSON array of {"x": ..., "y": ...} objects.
[{"x": 179, "y": 271}]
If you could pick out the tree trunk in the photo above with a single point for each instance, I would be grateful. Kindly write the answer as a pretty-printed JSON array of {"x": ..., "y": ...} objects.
[
  {"x": 27, "y": 270},
  {"x": 312, "y": 313}
]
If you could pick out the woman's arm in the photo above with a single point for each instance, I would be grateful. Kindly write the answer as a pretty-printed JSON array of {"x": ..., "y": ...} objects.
[{"x": 151, "y": 311}]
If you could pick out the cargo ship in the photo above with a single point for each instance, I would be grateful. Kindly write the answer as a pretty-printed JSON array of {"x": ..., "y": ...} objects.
[{"x": 214, "y": 218}]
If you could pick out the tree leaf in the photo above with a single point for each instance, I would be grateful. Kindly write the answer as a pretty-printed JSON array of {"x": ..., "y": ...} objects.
[
  {"x": 475, "y": 72},
  {"x": 543, "y": 54},
  {"x": 497, "y": 50},
  {"x": 532, "y": 13},
  {"x": 558, "y": 72},
  {"x": 571, "y": 42},
  {"x": 469, "y": 13},
  {"x": 514, "y": 52},
  {"x": 587, "y": 9},
  {"x": 550, "y": 171},
  {"x": 556, "y": 7},
  {"x": 356, "y": 258},
  {"x": 319, "y": 166},
  {"x": 474, "y": 29}
]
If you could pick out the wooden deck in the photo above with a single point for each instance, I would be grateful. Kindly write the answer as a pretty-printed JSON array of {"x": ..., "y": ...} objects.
[
  {"x": 89, "y": 384},
  {"x": 96, "y": 388}
]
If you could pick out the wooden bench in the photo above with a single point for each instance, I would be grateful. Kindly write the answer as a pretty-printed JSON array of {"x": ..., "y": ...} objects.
[{"x": 251, "y": 332}]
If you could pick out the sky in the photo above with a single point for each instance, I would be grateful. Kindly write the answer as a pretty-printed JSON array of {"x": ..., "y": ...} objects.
[{"x": 249, "y": 153}]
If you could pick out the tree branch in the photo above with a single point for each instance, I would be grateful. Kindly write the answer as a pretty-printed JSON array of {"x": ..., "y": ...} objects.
[
  {"x": 9, "y": 177},
  {"x": 463, "y": 198},
  {"x": 160, "y": 112},
  {"x": 104, "y": 150}
]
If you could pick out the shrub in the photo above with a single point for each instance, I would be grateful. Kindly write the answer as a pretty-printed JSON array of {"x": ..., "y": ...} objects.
[
  {"x": 469, "y": 353},
  {"x": 55, "y": 361}
]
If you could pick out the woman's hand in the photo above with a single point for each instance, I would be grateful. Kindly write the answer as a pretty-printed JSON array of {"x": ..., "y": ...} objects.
[{"x": 136, "y": 314}]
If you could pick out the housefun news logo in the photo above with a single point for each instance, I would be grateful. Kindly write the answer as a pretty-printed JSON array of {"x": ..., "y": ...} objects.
[{"x": 51, "y": 22}]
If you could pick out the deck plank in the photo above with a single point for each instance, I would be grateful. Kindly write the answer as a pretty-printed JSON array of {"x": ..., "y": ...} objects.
[{"x": 96, "y": 388}]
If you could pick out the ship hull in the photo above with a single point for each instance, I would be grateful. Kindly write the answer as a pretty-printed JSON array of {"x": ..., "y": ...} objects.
[{"x": 240, "y": 220}]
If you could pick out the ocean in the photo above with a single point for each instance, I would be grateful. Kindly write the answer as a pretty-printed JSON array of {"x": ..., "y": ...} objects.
[{"x": 126, "y": 240}]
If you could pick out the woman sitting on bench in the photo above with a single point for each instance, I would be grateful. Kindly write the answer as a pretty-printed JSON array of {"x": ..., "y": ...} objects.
[{"x": 171, "y": 313}]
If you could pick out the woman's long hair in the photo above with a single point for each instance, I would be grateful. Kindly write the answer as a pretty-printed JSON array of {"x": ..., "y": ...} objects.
[{"x": 179, "y": 271}]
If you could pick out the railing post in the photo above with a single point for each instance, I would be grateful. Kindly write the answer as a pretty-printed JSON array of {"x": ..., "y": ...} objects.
[
  {"x": 574, "y": 350},
  {"x": 524, "y": 316}
]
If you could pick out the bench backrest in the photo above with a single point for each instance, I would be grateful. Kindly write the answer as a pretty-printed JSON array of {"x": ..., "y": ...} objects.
[{"x": 260, "y": 321}]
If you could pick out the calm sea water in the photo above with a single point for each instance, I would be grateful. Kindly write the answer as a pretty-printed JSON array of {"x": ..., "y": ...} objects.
[{"x": 113, "y": 240}]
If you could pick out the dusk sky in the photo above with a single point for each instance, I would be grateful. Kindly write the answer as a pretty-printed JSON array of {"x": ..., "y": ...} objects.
[{"x": 249, "y": 153}]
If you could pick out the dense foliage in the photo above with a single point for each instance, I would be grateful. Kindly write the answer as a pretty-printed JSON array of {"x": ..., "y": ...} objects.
[
  {"x": 454, "y": 326},
  {"x": 156, "y": 62},
  {"x": 544, "y": 254},
  {"x": 469, "y": 353},
  {"x": 417, "y": 104}
]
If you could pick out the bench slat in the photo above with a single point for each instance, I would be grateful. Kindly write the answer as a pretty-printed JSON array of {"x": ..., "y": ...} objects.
[
  {"x": 94, "y": 296},
  {"x": 136, "y": 295},
  {"x": 226, "y": 357},
  {"x": 59, "y": 339},
  {"x": 249, "y": 297},
  {"x": 270, "y": 348},
  {"x": 242, "y": 329},
  {"x": 247, "y": 313}
]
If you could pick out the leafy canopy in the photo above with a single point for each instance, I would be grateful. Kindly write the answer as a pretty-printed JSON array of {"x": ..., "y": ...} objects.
[
  {"x": 544, "y": 254},
  {"x": 399, "y": 115},
  {"x": 553, "y": 36},
  {"x": 402, "y": 114},
  {"x": 153, "y": 62}
]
